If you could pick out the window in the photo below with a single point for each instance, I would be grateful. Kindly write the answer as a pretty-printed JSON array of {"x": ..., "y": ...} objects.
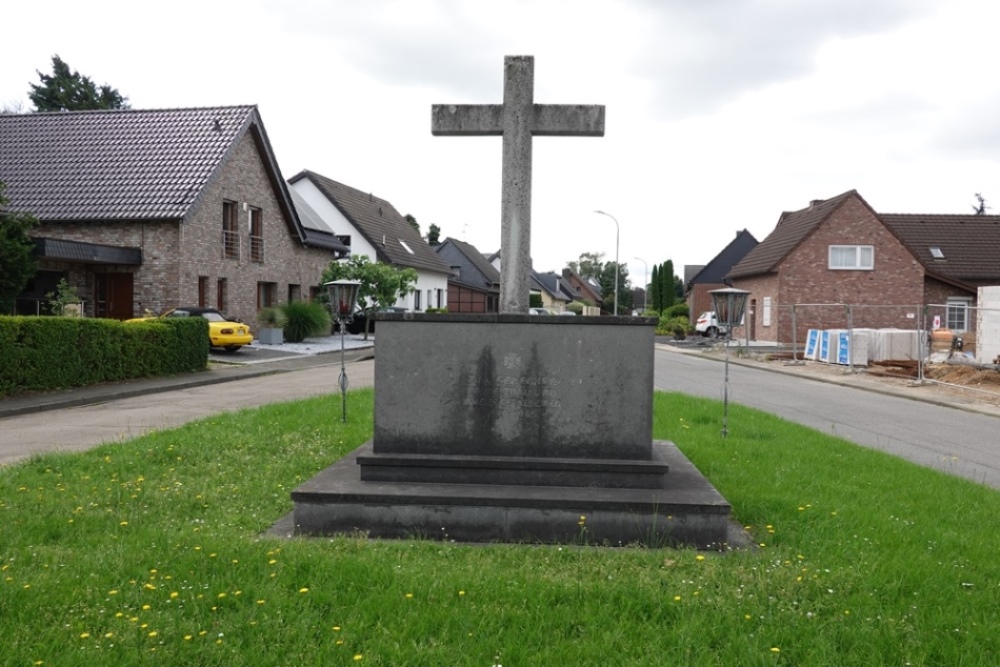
[
  {"x": 294, "y": 293},
  {"x": 767, "y": 312},
  {"x": 267, "y": 295},
  {"x": 852, "y": 257},
  {"x": 416, "y": 300},
  {"x": 440, "y": 298},
  {"x": 256, "y": 236},
  {"x": 936, "y": 252},
  {"x": 220, "y": 295},
  {"x": 230, "y": 231},
  {"x": 958, "y": 314},
  {"x": 202, "y": 291}
]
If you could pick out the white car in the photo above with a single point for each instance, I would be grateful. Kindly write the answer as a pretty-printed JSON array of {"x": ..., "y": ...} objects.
[{"x": 707, "y": 325}]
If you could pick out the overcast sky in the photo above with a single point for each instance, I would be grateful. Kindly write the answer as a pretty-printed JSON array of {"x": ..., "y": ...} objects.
[{"x": 721, "y": 114}]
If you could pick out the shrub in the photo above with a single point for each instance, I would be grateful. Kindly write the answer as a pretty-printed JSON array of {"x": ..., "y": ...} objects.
[
  {"x": 304, "y": 319},
  {"x": 677, "y": 310},
  {"x": 271, "y": 318}
]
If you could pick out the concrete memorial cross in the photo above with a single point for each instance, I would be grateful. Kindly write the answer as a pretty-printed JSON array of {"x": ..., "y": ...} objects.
[{"x": 517, "y": 120}]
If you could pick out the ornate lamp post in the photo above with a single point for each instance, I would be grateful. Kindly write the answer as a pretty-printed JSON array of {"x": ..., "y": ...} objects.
[
  {"x": 343, "y": 297},
  {"x": 729, "y": 304}
]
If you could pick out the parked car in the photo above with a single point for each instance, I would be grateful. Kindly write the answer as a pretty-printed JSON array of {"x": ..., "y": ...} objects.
[
  {"x": 222, "y": 332},
  {"x": 707, "y": 325},
  {"x": 357, "y": 325},
  {"x": 538, "y": 311}
]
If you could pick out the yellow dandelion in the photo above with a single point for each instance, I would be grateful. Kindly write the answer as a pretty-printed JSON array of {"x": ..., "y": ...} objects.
[
  {"x": 358, "y": 657},
  {"x": 154, "y": 633},
  {"x": 260, "y": 602},
  {"x": 677, "y": 598},
  {"x": 340, "y": 642},
  {"x": 336, "y": 628},
  {"x": 409, "y": 595},
  {"x": 187, "y": 638},
  {"x": 699, "y": 557},
  {"x": 303, "y": 590},
  {"x": 174, "y": 594},
  {"x": 775, "y": 649},
  {"x": 84, "y": 635},
  {"x": 461, "y": 592}
]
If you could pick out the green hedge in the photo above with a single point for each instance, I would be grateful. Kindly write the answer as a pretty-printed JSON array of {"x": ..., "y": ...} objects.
[{"x": 46, "y": 353}]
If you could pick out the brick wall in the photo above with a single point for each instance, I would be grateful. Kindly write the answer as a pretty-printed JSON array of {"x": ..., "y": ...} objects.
[{"x": 175, "y": 255}]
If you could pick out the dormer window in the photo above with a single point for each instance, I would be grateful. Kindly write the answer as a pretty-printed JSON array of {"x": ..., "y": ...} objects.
[{"x": 936, "y": 252}]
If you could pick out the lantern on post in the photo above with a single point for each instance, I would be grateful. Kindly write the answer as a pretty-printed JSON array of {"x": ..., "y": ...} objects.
[
  {"x": 343, "y": 299},
  {"x": 729, "y": 304}
]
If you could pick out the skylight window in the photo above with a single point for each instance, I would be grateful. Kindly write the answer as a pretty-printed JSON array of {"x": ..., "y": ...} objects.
[
  {"x": 936, "y": 252},
  {"x": 403, "y": 243}
]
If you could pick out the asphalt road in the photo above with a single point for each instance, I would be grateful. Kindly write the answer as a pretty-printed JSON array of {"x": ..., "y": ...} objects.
[
  {"x": 956, "y": 441},
  {"x": 953, "y": 440}
]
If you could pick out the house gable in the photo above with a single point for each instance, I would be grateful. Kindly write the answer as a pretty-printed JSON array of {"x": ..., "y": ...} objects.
[
  {"x": 391, "y": 239},
  {"x": 156, "y": 182}
]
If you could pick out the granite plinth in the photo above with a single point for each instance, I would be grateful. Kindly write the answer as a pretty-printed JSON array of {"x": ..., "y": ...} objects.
[
  {"x": 685, "y": 510},
  {"x": 602, "y": 473},
  {"x": 515, "y": 386}
]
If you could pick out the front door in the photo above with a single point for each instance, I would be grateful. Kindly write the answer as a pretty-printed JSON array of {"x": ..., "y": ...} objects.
[{"x": 113, "y": 295}]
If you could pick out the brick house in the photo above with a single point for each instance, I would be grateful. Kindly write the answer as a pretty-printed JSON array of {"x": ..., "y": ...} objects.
[
  {"x": 710, "y": 276},
  {"x": 840, "y": 251},
  {"x": 143, "y": 210},
  {"x": 589, "y": 291},
  {"x": 373, "y": 227},
  {"x": 474, "y": 285}
]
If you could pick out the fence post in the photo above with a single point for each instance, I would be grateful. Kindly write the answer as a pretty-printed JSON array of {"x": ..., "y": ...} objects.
[
  {"x": 850, "y": 338},
  {"x": 795, "y": 337},
  {"x": 921, "y": 332}
]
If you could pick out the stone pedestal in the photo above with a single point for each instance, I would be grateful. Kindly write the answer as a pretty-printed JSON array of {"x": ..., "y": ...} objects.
[{"x": 509, "y": 428}]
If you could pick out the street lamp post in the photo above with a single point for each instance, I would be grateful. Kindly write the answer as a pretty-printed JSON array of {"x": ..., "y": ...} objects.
[
  {"x": 617, "y": 234},
  {"x": 343, "y": 297},
  {"x": 645, "y": 285},
  {"x": 729, "y": 304}
]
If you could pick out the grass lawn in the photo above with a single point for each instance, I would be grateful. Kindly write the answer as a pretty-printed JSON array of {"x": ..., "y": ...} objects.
[{"x": 149, "y": 551}]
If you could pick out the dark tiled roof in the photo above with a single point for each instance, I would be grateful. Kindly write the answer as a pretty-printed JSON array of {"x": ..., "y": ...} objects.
[
  {"x": 792, "y": 229},
  {"x": 116, "y": 165},
  {"x": 970, "y": 244},
  {"x": 588, "y": 291},
  {"x": 557, "y": 286},
  {"x": 474, "y": 269},
  {"x": 713, "y": 272},
  {"x": 380, "y": 223}
]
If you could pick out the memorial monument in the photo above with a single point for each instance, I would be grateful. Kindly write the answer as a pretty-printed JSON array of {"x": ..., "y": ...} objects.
[{"x": 510, "y": 427}]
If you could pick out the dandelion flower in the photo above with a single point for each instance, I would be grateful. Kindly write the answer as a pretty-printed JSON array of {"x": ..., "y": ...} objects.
[
  {"x": 358, "y": 657},
  {"x": 775, "y": 649},
  {"x": 699, "y": 557},
  {"x": 303, "y": 590},
  {"x": 84, "y": 635}
]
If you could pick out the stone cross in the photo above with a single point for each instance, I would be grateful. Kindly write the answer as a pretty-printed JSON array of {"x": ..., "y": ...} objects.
[{"x": 517, "y": 120}]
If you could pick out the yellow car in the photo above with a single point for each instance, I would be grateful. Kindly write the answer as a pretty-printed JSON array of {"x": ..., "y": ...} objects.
[{"x": 223, "y": 333}]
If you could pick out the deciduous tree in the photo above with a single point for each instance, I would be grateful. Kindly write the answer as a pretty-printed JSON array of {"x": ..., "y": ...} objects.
[{"x": 381, "y": 284}]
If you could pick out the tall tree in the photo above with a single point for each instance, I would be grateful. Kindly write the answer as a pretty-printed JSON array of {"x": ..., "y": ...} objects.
[
  {"x": 17, "y": 264},
  {"x": 381, "y": 284},
  {"x": 590, "y": 265},
  {"x": 607, "y": 281},
  {"x": 68, "y": 90},
  {"x": 433, "y": 235},
  {"x": 654, "y": 289},
  {"x": 667, "y": 284}
]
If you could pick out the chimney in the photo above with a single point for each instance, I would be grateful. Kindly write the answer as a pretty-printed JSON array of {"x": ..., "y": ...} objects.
[{"x": 815, "y": 202}]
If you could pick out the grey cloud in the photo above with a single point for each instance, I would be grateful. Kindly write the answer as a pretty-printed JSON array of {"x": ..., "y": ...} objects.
[{"x": 704, "y": 54}]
